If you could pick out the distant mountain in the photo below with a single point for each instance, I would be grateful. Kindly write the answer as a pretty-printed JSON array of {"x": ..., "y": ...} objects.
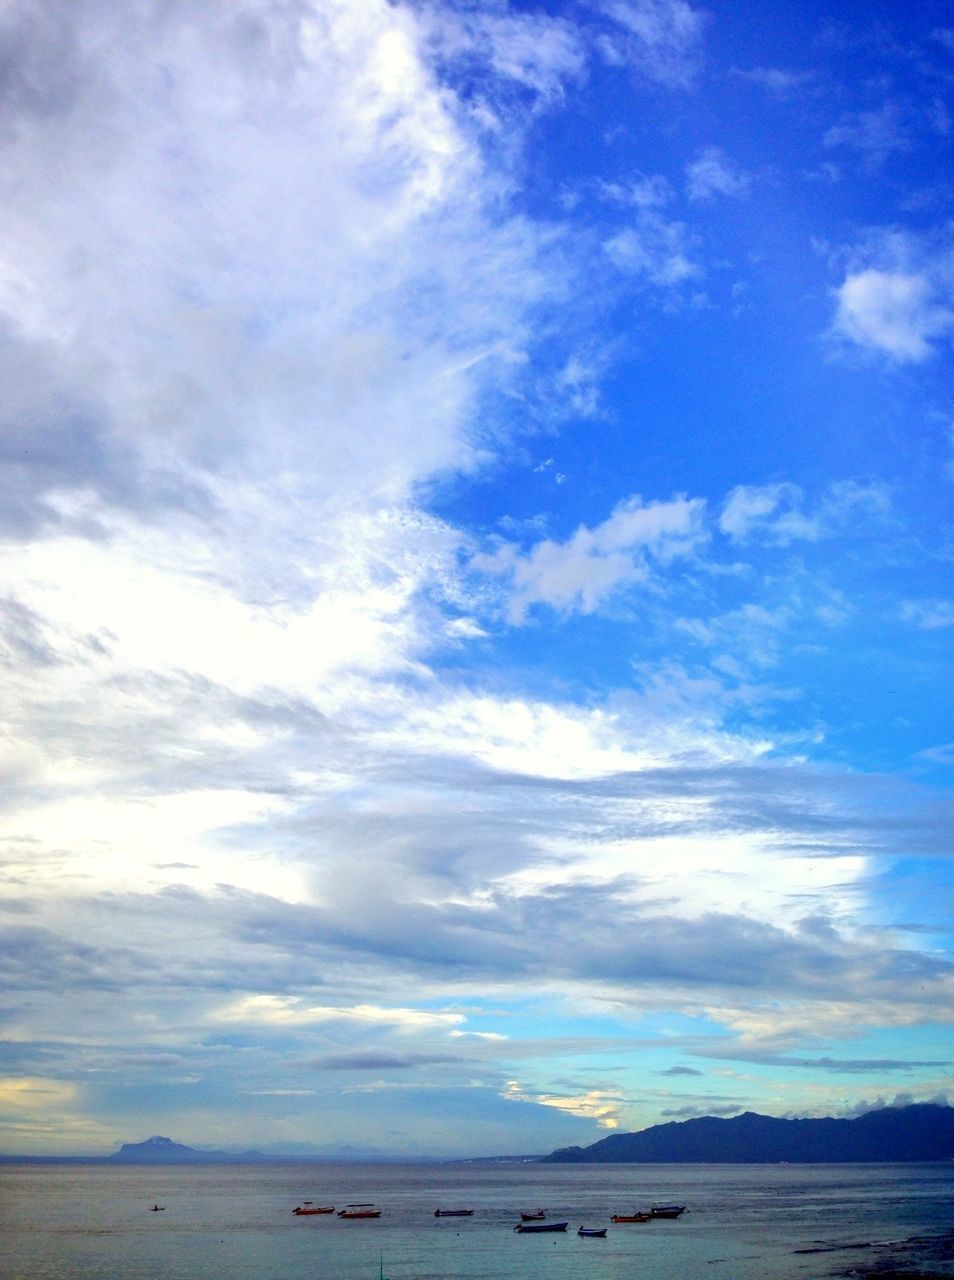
[
  {"x": 159, "y": 1150},
  {"x": 924, "y": 1131}
]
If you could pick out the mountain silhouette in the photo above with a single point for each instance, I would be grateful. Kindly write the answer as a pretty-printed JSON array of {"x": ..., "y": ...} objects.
[{"x": 923, "y": 1131}]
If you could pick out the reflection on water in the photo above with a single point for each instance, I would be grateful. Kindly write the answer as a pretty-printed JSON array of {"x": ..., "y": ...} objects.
[{"x": 228, "y": 1222}]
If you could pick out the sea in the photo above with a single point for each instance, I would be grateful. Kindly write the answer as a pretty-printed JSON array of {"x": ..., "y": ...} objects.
[{"x": 235, "y": 1222}]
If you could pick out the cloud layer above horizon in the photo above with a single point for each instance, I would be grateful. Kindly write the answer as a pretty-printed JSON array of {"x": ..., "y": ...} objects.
[{"x": 476, "y": 602}]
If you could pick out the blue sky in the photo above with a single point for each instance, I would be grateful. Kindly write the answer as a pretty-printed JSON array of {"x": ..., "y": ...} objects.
[{"x": 477, "y": 559}]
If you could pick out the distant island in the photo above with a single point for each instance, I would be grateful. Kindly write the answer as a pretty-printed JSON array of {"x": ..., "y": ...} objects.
[
  {"x": 923, "y": 1131},
  {"x": 159, "y": 1150}
]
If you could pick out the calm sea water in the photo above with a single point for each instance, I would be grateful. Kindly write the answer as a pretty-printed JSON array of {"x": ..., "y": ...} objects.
[{"x": 234, "y": 1222}]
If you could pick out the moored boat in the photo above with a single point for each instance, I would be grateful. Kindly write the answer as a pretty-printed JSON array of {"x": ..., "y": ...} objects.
[
  {"x": 529, "y": 1228},
  {"x": 666, "y": 1210},
  {"x": 303, "y": 1211},
  {"x": 359, "y": 1211},
  {"x": 533, "y": 1217},
  {"x": 593, "y": 1233},
  {"x": 631, "y": 1217},
  {"x": 453, "y": 1213}
]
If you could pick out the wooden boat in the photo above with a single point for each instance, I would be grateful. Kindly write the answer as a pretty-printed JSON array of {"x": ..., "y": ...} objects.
[
  {"x": 631, "y": 1217},
  {"x": 527, "y": 1228},
  {"x": 359, "y": 1211},
  {"x": 533, "y": 1217},
  {"x": 453, "y": 1213},
  {"x": 593, "y": 1233},
  {"x": 666, "y": 1210},
  {"x": 303, "y": 1212}
]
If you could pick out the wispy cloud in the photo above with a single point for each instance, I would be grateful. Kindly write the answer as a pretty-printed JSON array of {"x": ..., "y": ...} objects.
[
  {"x": 778, "y": 512},
  {"x": 874, "y": 134},
  {"x": 929, "y": 615},
  {"x": 661, "y": 39}
]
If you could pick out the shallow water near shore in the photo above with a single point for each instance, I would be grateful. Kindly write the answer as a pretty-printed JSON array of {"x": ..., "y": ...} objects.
[{"x": 234, "y": 1222}]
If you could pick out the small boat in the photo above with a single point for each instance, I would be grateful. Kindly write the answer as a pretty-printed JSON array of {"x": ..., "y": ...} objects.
[
  {"x": 631, "y": 1217},
  {"x": 303, "y": 1212},
  {"x": 158, "y": 1208},
  {"x": 359, "y": 1211},
  {"x": 533, "y": 1217},
  {"x": 453, "y": 1213},
  {"x": 666, "y": 1210},
  {"x": 528, "y": 1228},
  {"x": 593, "y": 1233}
]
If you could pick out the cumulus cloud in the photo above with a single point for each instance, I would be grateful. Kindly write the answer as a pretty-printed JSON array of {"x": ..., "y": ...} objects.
[
  {"x": 895, "y": 312},
  {"x": 589, "y": 566},
  {"x": 654, "y": 249},
  {"x": 712, "y": 173}
]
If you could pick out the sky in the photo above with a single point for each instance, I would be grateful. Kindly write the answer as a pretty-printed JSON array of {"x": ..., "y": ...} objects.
[{"x": 476, "y": 604}]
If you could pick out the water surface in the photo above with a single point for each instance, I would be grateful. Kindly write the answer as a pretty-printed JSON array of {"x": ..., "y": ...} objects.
[{"x": 234, "y": 1222}]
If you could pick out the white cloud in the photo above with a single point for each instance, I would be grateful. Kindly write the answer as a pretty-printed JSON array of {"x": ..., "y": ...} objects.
[
  {"x": 755, "y": 507},
  {"x": 875, "y": 134},
  {"x": 929, "y": 615},
  {"x": 892, "y": 311},
  {"x": 643, "y": 191},
  {"x": 712, "y": 173},
  {"x": 601, "y": 1105},
  {"x": 777, "y": 512},
  {"x": 289, "y": 1011},
  {"x": 663, "y": 38},
  {"x": 589, "y": 566},
  {"x": 303, "y": 282},
  {"x": 655, "y": 249},
  {"x": 778, "y": 81},
  {"x": 538, "y": 52}
]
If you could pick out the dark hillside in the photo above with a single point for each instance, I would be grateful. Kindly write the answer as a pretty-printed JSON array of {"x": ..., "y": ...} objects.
[{"x": 924, "y": 1131}]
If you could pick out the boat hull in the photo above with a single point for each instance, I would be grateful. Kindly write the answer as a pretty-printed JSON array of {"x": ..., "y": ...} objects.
[{"x": 534, "y": 1228}]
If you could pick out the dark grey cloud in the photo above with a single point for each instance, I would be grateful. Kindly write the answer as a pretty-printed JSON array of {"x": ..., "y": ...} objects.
[
  {"x": 369, "y": 1060},
  {"x": 591, "y": 933},
  {"x": 588, "y": 935},
  {"x": 34, "y": 958},
  {"x": 680, "y": 1071},
  {"x": 839, "y": 1066},
  {"x": 22, "y": 639}
]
